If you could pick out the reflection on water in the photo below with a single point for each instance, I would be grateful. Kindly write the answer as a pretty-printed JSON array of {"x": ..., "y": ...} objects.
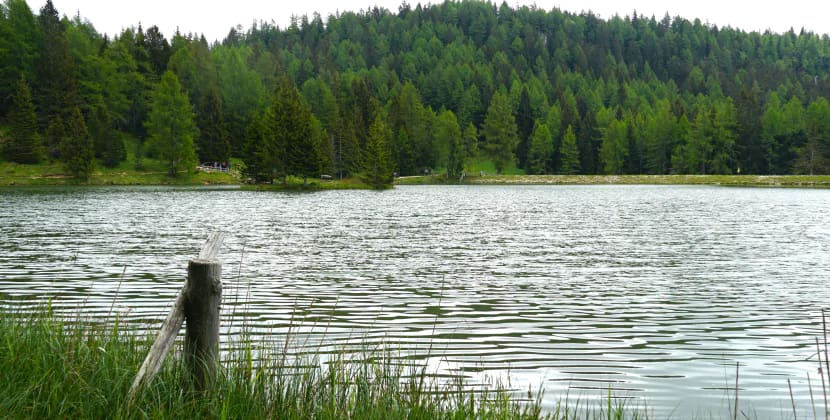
[{"x": 654, "y": 291}]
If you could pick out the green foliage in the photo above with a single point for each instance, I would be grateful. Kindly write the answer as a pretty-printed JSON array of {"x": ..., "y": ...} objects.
[
  {"x": 55, "y": 88},
  {"x": 569, "y": 155},
  {"x": 814, "y": 156},
  {"x": 76, "y": 147},
  {"x": 243, "y": 94},
  {"x": 108, "y": 143},
  {"x": 377, "y": 165},
  {"x": 18, "y": 48},
  {"x": 170, "y": 125},
  {"x": 500, "y": 131},
  {"x": 448, "y": 137},
  {"x": 23, "y": 144},
  {"x": 410, "y": 121},
  {"x": 292, "y": 149},
  {"x": 540, "y": 154},
  {"x": 614, "y": 149},
  {"x": 212, "y": 144},
  {"x": 694, "y": 98}
]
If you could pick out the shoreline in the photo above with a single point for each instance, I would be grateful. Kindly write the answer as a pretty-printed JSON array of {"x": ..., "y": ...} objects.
[{"x": 775, "y": 181}]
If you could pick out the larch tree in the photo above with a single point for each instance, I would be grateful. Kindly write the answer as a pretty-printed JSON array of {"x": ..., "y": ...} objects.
[
  {"x": 569, "y": 154},
  {"x": 171, "y": 129},
  {"x": 448, "y": 136},
  {"x": 377, "y": 163},
  {"x": 500, "y": 133},
  {"x": 541, "y": 149},
  {"x": 614, "y": 147}
]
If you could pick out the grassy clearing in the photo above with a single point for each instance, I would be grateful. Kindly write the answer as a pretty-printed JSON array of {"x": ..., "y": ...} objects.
[
  {"x": 56, "y": 368},
  {"x": 153, "y": 173},
  {"x": 816, "y": 181}
]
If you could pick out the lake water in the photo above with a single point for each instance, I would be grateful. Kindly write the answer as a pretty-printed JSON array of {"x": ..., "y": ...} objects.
[{"x": 654, "y": 291}]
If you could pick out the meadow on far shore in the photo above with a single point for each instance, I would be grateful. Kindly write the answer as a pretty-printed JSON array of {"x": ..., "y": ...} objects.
[{"x": 154, "y": 172}]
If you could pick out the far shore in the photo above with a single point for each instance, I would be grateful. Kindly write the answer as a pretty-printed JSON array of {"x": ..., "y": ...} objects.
[{"x": 802, "y": 181}]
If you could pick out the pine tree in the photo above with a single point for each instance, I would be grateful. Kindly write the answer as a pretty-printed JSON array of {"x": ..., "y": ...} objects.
[
  {"x": 569, "y": 156},
  {"x": 76, "y": 147},
  {"x": 377, "y": 165},
  {"x": 170, "y": 125},
  {"x": 23, "y": 145},
  {"x": 500, "y": 133}
]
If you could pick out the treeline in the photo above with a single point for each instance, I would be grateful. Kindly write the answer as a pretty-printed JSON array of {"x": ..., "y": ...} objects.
[{"x": 420, "y": 89}]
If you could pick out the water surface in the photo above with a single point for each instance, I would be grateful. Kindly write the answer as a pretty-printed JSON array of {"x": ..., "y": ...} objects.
[{"x": 654, "y": 291}]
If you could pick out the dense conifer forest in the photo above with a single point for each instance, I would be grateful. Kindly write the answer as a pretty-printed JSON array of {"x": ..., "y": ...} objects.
[{"x": 421, "y": 88}]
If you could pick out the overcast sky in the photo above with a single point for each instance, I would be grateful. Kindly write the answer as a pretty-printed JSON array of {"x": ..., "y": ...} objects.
[{"x": 214, "y": 18}]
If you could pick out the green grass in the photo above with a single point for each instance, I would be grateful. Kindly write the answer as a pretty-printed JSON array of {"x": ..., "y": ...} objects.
[
  {"x": 153, "y": 173},
  {"x": 51, "y": 367},
  {"x": 816, "y": 181},
  {"x": 296, "y": 184}
]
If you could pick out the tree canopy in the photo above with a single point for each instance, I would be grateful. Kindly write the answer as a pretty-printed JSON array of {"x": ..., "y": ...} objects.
[{"x": 628, "y": 94}]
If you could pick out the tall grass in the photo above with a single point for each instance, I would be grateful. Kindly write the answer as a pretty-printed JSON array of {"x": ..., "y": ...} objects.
[{"x": 53, "y": 367}]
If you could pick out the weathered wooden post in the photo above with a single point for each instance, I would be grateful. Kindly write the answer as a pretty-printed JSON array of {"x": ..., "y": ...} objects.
[
  {"x": 203, "y": 297},
  {"x": 198, "y": 303}
]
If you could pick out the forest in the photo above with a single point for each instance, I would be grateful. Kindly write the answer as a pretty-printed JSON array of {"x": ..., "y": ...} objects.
[{"x": 376, "y": 92}]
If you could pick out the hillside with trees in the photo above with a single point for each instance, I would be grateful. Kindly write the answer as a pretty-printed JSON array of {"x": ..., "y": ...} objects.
[{"x": 422, "y": 88}]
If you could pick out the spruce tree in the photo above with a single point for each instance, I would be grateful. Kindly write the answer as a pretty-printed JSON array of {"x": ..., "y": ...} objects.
[
  {"x": 255, "y": 152},
  {"x": 294, "y": 151},
  {"x": 76, "y": 147},
  {"x": 109, "y": 144},
  {"x": 56, "y": 87},
  {"x": 213, "y": 144},
  {"x": 23, "y": 145}
]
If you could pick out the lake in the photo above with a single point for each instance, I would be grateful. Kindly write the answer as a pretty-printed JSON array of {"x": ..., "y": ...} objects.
[{"x": 654, "y": 291}]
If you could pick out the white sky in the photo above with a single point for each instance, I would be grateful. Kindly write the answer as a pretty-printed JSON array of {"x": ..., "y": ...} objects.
[{"x": 214, "y": 18}]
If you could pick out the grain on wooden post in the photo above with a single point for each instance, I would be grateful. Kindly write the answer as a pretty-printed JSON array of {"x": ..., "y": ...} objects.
[
  {"x": 203, "y": 296},
  {"x": 171, "y": 326},
  {"x": 164, "y": 341}
]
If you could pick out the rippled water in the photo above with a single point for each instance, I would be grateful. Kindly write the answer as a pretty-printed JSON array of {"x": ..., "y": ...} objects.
[{"x": 654, "y": 291}]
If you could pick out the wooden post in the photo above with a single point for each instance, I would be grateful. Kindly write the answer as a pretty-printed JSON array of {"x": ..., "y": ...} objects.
[
  {"x": 207, "y": 271},
  {"x": 203, "y": 297}
]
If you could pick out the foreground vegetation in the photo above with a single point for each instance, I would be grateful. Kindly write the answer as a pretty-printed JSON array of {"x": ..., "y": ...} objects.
[
  {"x": 56, "y": 368},
  {"x": 52, "y": 367}
]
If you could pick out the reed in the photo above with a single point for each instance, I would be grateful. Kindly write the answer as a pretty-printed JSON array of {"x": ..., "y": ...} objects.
[{"x": 54, "y": 367}]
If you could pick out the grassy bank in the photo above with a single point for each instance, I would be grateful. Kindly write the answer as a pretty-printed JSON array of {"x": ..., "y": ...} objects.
[
  {"x": 817, "y": 181},
  {"x": 56, "y": 368},
  {"x": 152, "y": 173}
]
